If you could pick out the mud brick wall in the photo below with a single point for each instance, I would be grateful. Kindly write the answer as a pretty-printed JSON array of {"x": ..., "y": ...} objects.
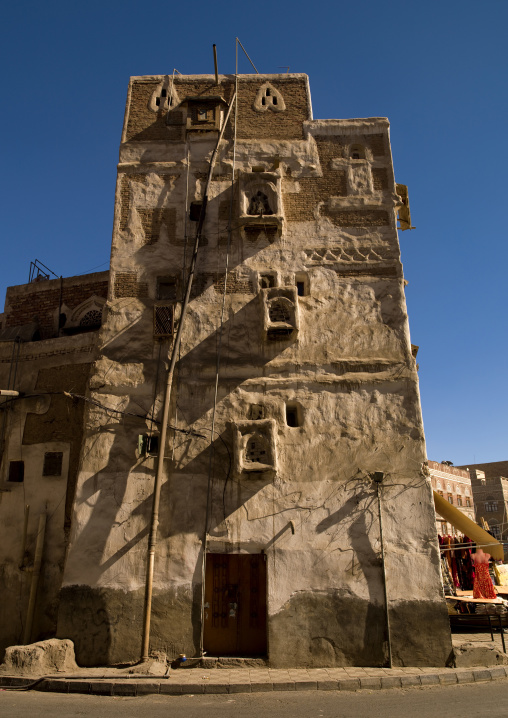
[
  {"x": 153, "y": 219},
  {"x": 41, "y": 305},
  {"x": 358, "y": 218},
  {"x": 144, "y": 125},
  {"x": 300, "y": 207},
  {"x": 125, "y": 197},
  {"x": 379, "y": 178},
  {"x": 127, "y": 285}
]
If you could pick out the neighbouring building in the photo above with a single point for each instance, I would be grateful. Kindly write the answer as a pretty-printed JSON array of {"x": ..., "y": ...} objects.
[
  {"x": 47, "y": 346},
  {"x": 295, "y": 348},
  {"x": 454, "y": 485},
  {"x": 490, "y": 490}
]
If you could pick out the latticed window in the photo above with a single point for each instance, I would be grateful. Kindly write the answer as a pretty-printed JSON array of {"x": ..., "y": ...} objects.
[
  {"x": 93, "y": 318},
  {"x": 163, "y": 320},
  {"x": 491, "y": 505},
  {"x": 256, "y": 450},
  {"x": 52, "y": 463},
  {"x": 279, "y": 311}
]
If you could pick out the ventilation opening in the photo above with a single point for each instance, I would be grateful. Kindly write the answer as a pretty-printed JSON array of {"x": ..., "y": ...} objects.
[
  {"x": 256, "y": 451},
  {"x": 293, "y": 415},
  {"x": 16, "y": 471},
  {"x": 52, "y": 463},
  {"x": 357, "y": 152},
  {"x": 195, "y": 211},
  {"x": 257, "y": 412},
  {"x": 158, "y": 101},
  {"x": 266, "y": 281},
  {"x": 148, "y": 444},
  {"x": 163, "y": 93},
  {"x": 166, "y": 288},
  {"x": 276, "y": 333},
  {"x": 274, "y": 100}
]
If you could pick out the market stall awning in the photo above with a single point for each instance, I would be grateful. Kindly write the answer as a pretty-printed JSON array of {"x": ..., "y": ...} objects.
[{"x": 461, "y": 522}]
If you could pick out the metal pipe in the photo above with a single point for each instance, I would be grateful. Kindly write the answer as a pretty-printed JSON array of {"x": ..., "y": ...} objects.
[
  {"x": 25, "y": 530},
  {"x": 378, "y": 477},
  {"x": 167, "y": 401},
  {"x": 35, "y": 579},
  {"x": 215, "y": 64}
]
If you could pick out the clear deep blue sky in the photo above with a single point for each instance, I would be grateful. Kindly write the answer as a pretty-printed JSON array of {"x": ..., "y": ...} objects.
[{"x": 436, "y": 69}]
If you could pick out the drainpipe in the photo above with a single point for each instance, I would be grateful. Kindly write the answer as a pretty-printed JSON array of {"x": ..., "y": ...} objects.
[
  {"x": 378, "y": 477},
  {"x": 35, "y": 579},
  {"x": 152, "y": 540}
]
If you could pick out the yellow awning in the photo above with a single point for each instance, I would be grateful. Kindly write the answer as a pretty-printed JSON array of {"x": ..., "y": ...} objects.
[{"x": 461, "y": 522}]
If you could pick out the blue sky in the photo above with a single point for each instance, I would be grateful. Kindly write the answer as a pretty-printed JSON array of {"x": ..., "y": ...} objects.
[{"x": 436, "y": 69}]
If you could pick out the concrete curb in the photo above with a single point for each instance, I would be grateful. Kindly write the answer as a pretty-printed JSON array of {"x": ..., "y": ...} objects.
[{"x": 140, "y": 686}]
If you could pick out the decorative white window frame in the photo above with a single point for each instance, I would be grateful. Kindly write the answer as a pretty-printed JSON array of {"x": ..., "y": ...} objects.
[
  {"x": 289, "y": 296},
  {"x": 246, "y": 431}
]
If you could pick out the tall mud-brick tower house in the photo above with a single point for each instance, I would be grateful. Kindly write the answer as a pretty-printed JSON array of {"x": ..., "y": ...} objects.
[{"x": 297, "y": 315}]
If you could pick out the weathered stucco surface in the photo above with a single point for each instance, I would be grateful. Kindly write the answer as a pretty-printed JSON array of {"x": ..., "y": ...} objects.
[{"x": 343, "y": 364}]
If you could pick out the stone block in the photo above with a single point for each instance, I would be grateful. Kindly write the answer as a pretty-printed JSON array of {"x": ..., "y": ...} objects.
[
  {"x": 407, "y": 681},
  {"x": 465, "y": 677},
  {"x": 216, "y": 688},
  {"x": 499, "y": 672},
  {"x": 482, "y": 675},
  {"x": 78, "y": 686},
  {"x": 41, "y": 658},
  {"x": 349, "y": 684},
  {"x": 145, "y": 688},
  {"x": 239, "y": 687},
  {"x": 370, "y": 683},
  {"x": 125, "y": 688},
  {"x": 325, "y": 685},
  {"x": 305, "y": 685},
  {"x": 430, "y": 679},
  {"x": 283, "y": 685},
  {"x": 101, "y": 688},
  {"x": 261, "y": 687},
  {"x": 390, "y": 682}
]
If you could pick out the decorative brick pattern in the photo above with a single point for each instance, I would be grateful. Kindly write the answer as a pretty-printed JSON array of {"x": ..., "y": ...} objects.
[
  {"x": 125, "y": 197},
  {"x": 324, "y": 255},
  {"x": 127, "y": 285},
  {"x": 301, "y": 206},
  {"x": 145, "y": 126},
  {"x": 379, "y": 178},
  {"x": 358, "y": 218},
  {"x": 377, "y": 144},
  {"x": 153, "y": 219}
]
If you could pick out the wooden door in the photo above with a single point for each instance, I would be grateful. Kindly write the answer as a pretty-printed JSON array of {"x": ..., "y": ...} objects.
[{"x": 235, "y": 605}]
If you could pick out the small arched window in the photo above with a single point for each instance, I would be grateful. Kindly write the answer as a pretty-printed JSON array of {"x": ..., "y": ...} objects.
[
  {"x": 357, "y": 152},
  {"x": 259, "y": 204}
]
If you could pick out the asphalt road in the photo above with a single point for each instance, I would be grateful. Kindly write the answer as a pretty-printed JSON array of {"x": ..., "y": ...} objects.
[{"x": 488, "y": 700}]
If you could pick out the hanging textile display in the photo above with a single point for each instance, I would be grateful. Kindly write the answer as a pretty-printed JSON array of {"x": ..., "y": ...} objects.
[
  {"x": 483, "y": 586},
  {"x": 456, "y": 558}
]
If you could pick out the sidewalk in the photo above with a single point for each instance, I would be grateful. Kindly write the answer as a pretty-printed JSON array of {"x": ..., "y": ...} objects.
[{"x": 114, "y": 682}]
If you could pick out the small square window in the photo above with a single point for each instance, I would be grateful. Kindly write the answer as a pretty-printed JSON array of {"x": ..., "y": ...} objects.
[
  {"x": 202, "y": 115},
  {"x": 266, "y": 281},
  {"x": 166, "y": 288},
  {"x": 195, "y": 211},
  {"x": 16, "y": 471},
  {"x": 52, "y": 463}
]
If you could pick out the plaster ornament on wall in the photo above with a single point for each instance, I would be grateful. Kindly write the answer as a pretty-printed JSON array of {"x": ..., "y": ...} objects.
[
  {"x": 268, "y": 98},
  {"x": 280, "y": 313},
  {"x": 164, "y": 97},
  {"x": 254, "y": 448}
]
